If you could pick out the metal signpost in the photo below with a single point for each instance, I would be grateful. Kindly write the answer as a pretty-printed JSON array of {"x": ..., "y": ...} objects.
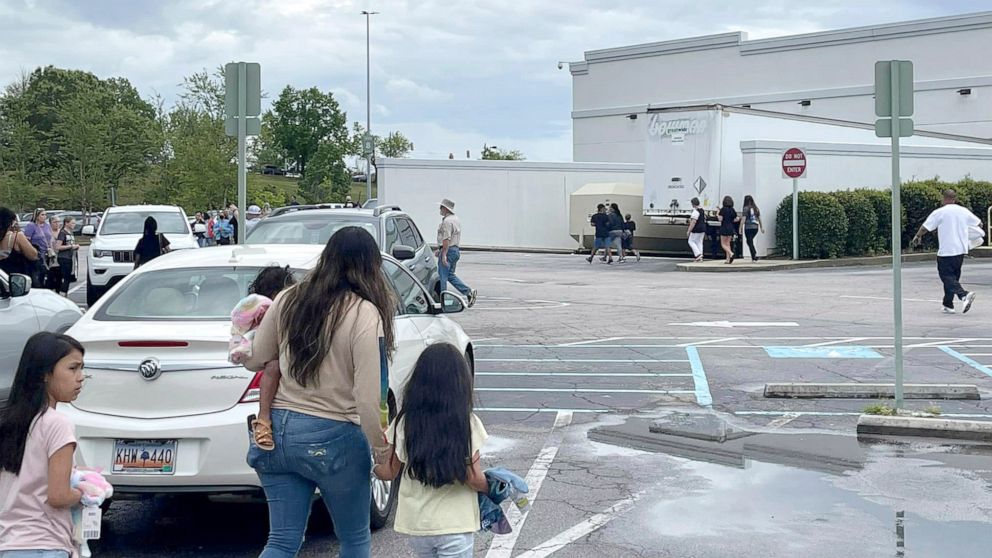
[
  {"x": 794, "y": 167},
  {"x": 242, "y": 106},
  {"x": 894, "y": 100}
]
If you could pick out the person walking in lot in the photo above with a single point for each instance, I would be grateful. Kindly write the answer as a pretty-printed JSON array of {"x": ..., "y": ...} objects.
[
  {"x": 223, "y": 231},
  {"x": 151, "y": 244},
  {"x": 36, "y": 451},
  {"x": 697, "y": 230},
  {"x": 16, "y": 253},
  {"x": 616, "y": 234},
  {"x": 751, "y": 224},
  {"x": 601, "y": 222},
  {"x": 952, "y": 223},
  {"x": 728, "y": 227},
  {"x": 54, "y": 280},
  {"x": 333, "y": 336},
  {"x": 449, "y": 237},
  {"x": 253, "y": 217},
  {"x": 436, "y": 440},
  {"x": 232, "y": 219},
  {"x": 66, "y": 248},
  {"x": 629, "y": 226},
  {"x": 39, "y": 234},
  {"x": 200, "y": 230}
]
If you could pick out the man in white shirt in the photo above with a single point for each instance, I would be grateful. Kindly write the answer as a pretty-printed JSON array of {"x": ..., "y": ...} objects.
[
  {"x": 449, "y": 238},
  {"x": 951, "y": 222}
]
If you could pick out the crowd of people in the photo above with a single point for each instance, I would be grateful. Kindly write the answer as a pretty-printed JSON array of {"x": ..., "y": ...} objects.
[
  {"x": 614, "y": 231},
  {"x": 46, "y": 250}
]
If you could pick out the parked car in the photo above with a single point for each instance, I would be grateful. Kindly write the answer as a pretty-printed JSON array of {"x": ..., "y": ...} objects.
[
  {"x": 291, "y": 208},
  {"x": 82, "y": 219},
  {"x": 23, "y": 312},
  {"x": 273, "y": 170},
  {"x": 159, "y": 381},
  {"x": 370, "y": 203},
  {"x": 393, "y": 229},
  {"x": 111, "y": 254}
]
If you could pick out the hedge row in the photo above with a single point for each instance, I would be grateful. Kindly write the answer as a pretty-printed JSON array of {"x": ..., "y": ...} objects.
[{"x": 859, "y": 222}]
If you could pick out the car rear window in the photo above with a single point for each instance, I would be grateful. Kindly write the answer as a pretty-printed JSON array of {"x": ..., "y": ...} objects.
[
  {"x": 304, "y": 231},
  {"x": 208, "y": 293},
  {"x": 133, "y": 222}
]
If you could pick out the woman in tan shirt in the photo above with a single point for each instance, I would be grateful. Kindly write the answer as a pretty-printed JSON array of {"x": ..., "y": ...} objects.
[{"x": 332, "y": 335}]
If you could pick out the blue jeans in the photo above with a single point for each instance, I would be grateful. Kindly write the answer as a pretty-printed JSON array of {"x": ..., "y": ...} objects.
[
  {"x": 313, "y": 452},
  {"x": 460, "y": 545},
  {"x": 33, "y": 554},
  {"x": 448, "y": 273}
]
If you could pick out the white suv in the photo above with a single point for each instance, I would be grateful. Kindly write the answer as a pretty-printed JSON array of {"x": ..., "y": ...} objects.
[{"x": 111, "y": 254}]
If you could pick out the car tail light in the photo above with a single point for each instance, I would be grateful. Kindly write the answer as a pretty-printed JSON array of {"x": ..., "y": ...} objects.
[
  {"x": 254, "y": 391},
  {"x": 152, "y": 344}
]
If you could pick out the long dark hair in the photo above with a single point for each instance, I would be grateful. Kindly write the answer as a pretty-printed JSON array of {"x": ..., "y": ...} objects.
[
  {"x": 29, "y": 394},
  {"x": 349, "y": 265},
  {"x": 151, "y": 226},
  {"x": 749, "y": 202},
  {"x": 728, "y": 201},
  {"x": 437, "y": 415},
  {"x": 7, "y": 218}
]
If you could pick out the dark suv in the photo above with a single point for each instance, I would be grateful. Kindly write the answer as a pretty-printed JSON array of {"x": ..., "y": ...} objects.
[{"x": 393, "y": 229}]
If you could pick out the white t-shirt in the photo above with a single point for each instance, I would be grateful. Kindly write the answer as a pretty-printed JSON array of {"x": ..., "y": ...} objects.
[
  {"x": 427, "y": 511},
  {"x": 951, "y": 223}
]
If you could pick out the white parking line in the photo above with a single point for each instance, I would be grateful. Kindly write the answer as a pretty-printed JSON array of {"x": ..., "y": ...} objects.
[
  {"x": 590, "y": 375},
  {"x": 585, "y": 360},
  {"x": 837, "y": 341},
  {"x": 595, "y": 522},
  {"x": 76, "y": 288},
  {"x": 583, "y": 390},
  {"x": 708, "y": 342},
  {"x": 502, "y": 545}
]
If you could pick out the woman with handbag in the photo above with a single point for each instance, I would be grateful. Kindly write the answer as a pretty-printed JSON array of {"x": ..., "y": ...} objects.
[
  {"x": 39, "y": 234},
  {"x": 151, "y": 244},
  {"x": 16, "y": 253},
  {"x": 66, "y": 248}
]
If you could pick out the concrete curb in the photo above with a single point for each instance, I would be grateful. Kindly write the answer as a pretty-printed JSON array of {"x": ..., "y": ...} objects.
[
  {"x": 869, "y": 391},
  {"x": 927, "y": 427},
  {"x": 717, "y": 266}
]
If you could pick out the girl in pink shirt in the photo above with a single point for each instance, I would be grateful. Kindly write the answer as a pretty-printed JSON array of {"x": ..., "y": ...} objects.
[{"x": 36, "y": 448}]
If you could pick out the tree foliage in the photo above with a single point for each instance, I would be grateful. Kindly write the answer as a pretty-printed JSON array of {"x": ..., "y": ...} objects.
[{"x": 493, "y": 153}]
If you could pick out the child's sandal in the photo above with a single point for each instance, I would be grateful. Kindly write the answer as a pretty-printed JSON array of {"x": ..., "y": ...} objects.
[{"x": 261, "y": 431}]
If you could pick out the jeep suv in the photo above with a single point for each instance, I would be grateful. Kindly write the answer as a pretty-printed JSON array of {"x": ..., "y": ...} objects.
[{"x": 111, "y": 254}]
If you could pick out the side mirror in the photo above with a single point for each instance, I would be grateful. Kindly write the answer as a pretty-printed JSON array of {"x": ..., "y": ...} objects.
[
  {"x": 451, "y": 303},
  {"x": 403, "y": 253},
  {"x": 89, "y": 230},
  {"x": 20, "y": 285}
]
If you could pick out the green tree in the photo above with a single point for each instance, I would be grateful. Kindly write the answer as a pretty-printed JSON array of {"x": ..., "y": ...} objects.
[
  {"x": 304, "y": 121},
  {"x": 493, "y": 153},
  {"x": 395, "y": 145}
]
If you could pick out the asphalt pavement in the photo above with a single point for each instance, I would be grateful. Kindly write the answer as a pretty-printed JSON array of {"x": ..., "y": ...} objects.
[{"x": 574, "y": 363}]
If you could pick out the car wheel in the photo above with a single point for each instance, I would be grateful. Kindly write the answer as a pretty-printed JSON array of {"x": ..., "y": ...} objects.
[
  {"x": 384, "y": 493},
  {"x": 93, "y": 293}
]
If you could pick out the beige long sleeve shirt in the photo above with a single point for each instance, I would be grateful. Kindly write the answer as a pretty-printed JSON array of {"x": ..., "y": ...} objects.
[{"x": 349, "y": 379}]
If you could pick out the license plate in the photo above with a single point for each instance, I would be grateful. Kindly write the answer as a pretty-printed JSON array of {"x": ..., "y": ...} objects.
[{"x": 145, "y": 457}]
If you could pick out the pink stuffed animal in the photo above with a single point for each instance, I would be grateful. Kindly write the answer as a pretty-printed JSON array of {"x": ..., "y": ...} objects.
[
  {"x": 245, "y": 318},
  {"x": 95, "y": 491}
]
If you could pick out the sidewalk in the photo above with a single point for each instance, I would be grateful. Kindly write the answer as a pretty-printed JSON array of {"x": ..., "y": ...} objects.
[{"x": 745, "y": 264}]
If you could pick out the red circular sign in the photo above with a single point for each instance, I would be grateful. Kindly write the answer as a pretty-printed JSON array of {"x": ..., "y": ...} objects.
[{"x": 794, "y": 163}]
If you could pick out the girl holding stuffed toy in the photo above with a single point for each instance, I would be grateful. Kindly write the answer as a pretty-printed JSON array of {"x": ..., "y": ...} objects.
[
  {"x": 245, "y": 319},
  {"x": 36, "y": 448}
]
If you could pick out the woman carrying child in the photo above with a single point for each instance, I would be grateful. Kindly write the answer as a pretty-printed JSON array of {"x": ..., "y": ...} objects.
[
  {"x": 332, "y": 334},
  {"x": 437, "y": 437},
  {"x": 36, "y": 448}
]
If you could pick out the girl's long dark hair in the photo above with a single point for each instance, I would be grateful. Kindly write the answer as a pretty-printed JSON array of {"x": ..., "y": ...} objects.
[
  {"x": 29, "y": 394},
  {"x": 312, "y": 310},
  {"x": 151, "y": 226},
  {"x": 271, "y": 281},
  {"x": 7, "y": 218},
  {"x": 437, "y": 415},
  {"x": 749, "y": 202}
]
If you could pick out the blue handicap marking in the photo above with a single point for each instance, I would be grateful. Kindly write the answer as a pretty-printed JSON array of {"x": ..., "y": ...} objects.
[{"x": 822, "y": 352}]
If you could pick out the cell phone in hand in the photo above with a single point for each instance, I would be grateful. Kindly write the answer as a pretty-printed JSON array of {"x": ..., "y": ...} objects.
[{"x": 251, "y": 419}]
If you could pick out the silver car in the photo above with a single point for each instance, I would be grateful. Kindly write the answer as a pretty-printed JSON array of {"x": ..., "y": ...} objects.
[{"x": 23, "y": 312}]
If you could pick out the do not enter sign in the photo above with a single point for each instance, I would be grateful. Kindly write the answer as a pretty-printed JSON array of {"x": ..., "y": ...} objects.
[{"x": 794, "y": 163}]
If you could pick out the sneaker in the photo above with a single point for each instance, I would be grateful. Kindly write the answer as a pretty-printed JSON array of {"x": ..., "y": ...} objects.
[
  {"x": 948, "y": 310},
  {"x": 471, "y": 297},
  {"x": 637, "y": 257},
  {"x": 968, "y": 300},
  {"x": 589, "y": 259}
]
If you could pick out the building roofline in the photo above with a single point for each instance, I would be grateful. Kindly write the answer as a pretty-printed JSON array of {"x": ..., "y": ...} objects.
[{"x": 885, "y": 31}]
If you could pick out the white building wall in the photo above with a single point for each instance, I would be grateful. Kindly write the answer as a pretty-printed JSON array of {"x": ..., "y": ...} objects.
[
  {"x": 502, "y": 204},
  {"x": 833, "y": 70}
]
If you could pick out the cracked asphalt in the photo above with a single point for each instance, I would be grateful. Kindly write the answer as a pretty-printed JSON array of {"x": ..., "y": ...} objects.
[{"x": 599, "y": 348}]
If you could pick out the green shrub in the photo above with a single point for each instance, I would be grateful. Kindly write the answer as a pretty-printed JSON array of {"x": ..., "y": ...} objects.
[
  {"x": 822, "y": 226},
  {"x": 979, "y": 195},
  {"x": 881, "y": 202},
  {"x": 920, "y": 198},
  {"x": 862, "y": 222}
]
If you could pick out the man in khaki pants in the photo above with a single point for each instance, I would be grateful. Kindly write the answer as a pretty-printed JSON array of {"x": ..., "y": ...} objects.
[{"x": 449, "y": 236}]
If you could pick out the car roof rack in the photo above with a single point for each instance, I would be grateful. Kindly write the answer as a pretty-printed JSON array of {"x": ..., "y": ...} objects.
[{"x": 384, "y": 208}]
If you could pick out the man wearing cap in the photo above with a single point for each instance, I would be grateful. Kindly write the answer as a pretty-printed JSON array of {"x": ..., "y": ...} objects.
[
  {"x": 253, "y": 217},
  {"x": 449, "y": 237}
]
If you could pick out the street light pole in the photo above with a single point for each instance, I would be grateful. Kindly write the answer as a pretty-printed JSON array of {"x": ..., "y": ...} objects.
[{"x": 368, "y": 105}]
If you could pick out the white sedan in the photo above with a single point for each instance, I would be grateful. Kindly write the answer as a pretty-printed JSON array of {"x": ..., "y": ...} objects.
[{"x": 162, "y": 410}]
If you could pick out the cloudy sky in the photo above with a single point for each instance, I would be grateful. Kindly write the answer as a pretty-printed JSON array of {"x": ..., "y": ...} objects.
[{"x": 450, "y": 75}]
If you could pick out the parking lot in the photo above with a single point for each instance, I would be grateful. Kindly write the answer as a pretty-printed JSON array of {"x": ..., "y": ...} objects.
[{"x": 569, "y": 355}]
